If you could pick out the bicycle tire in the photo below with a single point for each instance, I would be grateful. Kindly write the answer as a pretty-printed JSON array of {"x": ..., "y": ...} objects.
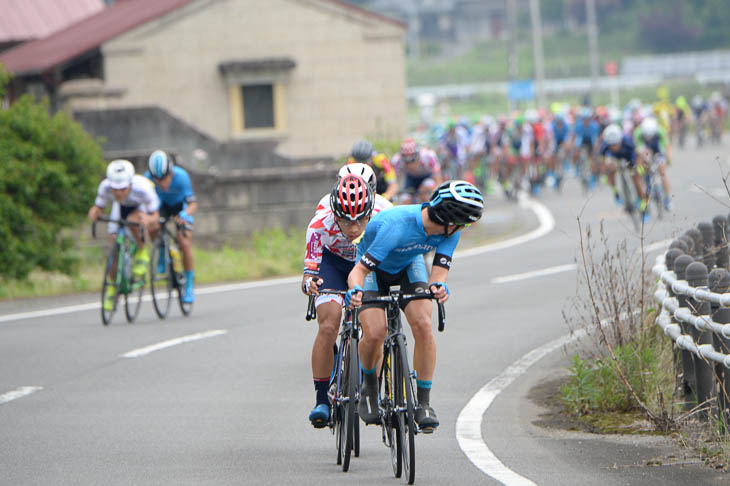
[
  {"x": 133, "y": 299},
  {"x": 160, "y": 283},
  {"x": 337, "y": 407},
  {"x": 350, "y": 374},
  {"x": 406, "y": 413},
  {"x": 629, "y": 199},
  {"x": 106, "y": 316},
  {"x": 390, "y": 421}
]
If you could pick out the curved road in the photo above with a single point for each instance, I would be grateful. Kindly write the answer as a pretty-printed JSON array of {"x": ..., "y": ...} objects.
[{"x": 85, "y": 404}]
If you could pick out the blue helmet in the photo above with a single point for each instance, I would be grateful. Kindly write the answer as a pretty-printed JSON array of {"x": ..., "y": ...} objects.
[
  {"x": 456, "y": 202},
  {"x": 159, "y": 164}
]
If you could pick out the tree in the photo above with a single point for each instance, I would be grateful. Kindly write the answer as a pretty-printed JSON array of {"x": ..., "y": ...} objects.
[{"x": 49, "y": 171}]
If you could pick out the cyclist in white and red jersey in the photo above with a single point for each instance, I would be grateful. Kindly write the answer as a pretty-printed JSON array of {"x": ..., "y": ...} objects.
[
  {"x": 328, "y": 260},
  {"x": 416, "y": 165}
]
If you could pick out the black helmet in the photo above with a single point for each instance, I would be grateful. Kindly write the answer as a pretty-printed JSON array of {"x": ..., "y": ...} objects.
[
  {"x": 362, "y": 151},
  {"x": 456, "y": 202}
]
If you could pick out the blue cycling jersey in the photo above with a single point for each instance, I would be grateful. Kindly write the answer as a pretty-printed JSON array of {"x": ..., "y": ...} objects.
[
  {"x": 586, "y": 132},
  {"x": 560, "y": 131},
  {"x": 626, "y": 151},
  {"x": 395, "y": 238},
  {"x": 180, "y": 190}
]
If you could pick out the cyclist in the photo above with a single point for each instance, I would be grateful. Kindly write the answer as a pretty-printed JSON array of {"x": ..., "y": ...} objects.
[
  {"x": 652, "y": 145},
  {"x": 363, "y": 152},
  {"x": 133, "y": 199},
  {"x": 391, "y": 253},
  {"x": 416, "y": 165},
  {"x": 177, "y": 198},
  {"x": 585, "y": 135},
  {"x": 617, "y": 146},
  {"x": 329, "y": 257}
]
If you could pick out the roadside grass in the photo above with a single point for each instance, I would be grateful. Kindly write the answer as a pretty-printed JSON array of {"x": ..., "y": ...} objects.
[{"x": 272, "y": 252}]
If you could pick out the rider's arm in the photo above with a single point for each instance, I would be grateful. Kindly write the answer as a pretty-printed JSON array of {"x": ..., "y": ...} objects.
[{"x": 102, "y": 199}]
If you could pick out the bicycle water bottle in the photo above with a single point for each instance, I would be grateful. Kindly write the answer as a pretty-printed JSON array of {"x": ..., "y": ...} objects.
[{"x": 176, "y": 260}]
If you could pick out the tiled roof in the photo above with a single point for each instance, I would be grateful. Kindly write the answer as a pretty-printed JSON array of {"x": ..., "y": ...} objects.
[
  {"x": 22, "y": 20},
  {"x": 85, "y": 35}
]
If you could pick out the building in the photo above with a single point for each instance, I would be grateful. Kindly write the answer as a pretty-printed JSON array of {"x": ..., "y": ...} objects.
[{"x": 249, "y": 82}]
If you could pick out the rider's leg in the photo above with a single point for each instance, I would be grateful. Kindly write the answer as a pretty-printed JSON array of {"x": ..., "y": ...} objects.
[
  {"x": 372, "y": 321},
  {"x": 328, "y": 320},
  {"x": 185, "y": 242}
]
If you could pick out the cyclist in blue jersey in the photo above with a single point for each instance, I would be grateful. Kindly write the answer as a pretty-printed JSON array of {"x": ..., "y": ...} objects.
[
  {"x": 616, "y": 146},
  {"x": 177, "y": 201},
  {"x": 585, "y": 135},
  {"x": 391, "y": 253}
]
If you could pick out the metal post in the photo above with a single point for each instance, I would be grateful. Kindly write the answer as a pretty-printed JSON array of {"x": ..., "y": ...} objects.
[
  {"x": 697, "y": 276},
  {"x": 689, "y": 242},
  {"x": 512, "y": 58},
  {"x": 696, "y": 236},
  {"x": 535, "y": 18},
  {"x": 688, "y": 368},
  {"x": 592, "y": 42},
  {"x": 720, "y": 284}
]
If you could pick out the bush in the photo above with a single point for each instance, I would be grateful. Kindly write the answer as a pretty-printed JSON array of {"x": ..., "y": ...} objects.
[{"x": 49, "y": 171}]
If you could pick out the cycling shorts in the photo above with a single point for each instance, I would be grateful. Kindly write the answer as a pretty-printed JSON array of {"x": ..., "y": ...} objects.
[
  {"x": 333, "y": 271},
  {"x": 414, "y": 182},
  {"x": 412, "y": 280},
  {"x": 118, "y": 212},
  {"x": 169, "y": 212}
]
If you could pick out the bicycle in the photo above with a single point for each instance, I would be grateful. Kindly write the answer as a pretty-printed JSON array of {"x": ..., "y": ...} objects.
[
  {"x": 629, "y": 194},
  {"x": 398, "y": 398},
  {"x": 172, "y": 277},
  {"x": 654, "y": 187},
  {"x": 118, "y": 272},
  {"x": 344, "y": 387}
]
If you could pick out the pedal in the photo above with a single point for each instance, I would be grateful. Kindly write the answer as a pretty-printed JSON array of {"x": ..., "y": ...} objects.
[{"x": 319, "y": 423}]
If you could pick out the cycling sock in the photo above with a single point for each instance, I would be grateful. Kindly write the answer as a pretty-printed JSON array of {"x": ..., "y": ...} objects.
[
  {"x": 320, "y": 386},
  {"x": 189, "y": 275},
  {"x": 423, "y": 391},
  {"x": 370, "y": 378}
]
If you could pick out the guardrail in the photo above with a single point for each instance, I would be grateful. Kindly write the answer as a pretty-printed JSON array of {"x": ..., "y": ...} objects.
[{"x": 694, "y": 293}]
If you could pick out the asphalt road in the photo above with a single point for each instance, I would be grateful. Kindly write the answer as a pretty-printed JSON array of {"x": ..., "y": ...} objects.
[{"x": 231, "y": 408}]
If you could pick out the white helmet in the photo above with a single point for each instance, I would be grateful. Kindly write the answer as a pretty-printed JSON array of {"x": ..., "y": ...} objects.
[
  {"x": 612, "y": 134},
  {"x": 649, "y": 127},
  {"x": 359, "y": 169},
  {"x": 120, "y": 173}
]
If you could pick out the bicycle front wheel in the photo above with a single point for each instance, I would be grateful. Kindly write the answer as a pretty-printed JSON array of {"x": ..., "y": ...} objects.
[
  {"x": 161, "y": 282},
  {"x": 133, "y": 300},
  {"x": 110, "y": 285},
  {"x": 392, "y": 433},
  {"x": 406, "y": 411},
  {"x": 351, "y": 385}
]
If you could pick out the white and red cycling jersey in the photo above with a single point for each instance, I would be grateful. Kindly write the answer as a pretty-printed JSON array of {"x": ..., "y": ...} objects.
[
  {"x": 427, "y": 164},
  {"x": 323, "y": 232}
]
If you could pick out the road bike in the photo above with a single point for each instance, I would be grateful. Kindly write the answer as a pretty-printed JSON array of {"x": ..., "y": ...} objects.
[
  {"x": 344, "y": 386},
  {"x": 628, "y": 193},
  {"x": 398, "y": 403},
  {"x": 166, "y": 271},
  {"x": 118, "y": 274},
  {"x": 654, "y": 187}
]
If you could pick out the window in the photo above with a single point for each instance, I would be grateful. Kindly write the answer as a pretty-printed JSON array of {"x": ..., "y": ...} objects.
[{"x": 258, "y": 106}]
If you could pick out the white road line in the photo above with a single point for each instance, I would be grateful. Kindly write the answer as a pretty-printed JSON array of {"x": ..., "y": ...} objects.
[
  {"x": 18, "y": 393},
  {"x": 535, "y": 273},
  {"x": 544, "y": 216},
  {"x": 136, "y": 353},
  {"x": 469, "y": 422}
]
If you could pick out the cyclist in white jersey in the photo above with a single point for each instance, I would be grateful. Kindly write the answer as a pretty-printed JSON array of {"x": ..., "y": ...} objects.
[
  {"x": 134, "y": 199},
  {"x": 329, "y": 257}
]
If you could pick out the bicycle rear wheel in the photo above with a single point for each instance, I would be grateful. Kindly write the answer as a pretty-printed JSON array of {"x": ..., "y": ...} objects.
[
  {"x": 406, "y": 411},
  {"x": 109, "y": 282},
  {"x": 133, "y": 300},
  {"x": 161, "y": 283},
  {"x": 338, "y": 410}
]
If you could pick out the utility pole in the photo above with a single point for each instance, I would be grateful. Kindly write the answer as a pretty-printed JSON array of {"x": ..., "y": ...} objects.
[
  {"x": 537, "y": 49},
  {"x": 513, "y": 68},
  {"x": 592, "y": 42}
]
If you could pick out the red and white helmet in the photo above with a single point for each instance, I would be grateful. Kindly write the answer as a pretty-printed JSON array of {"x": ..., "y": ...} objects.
[
  {"x": 351, "y": 198},
  {"x": 359, "y": 169},
  {"x": 409, "y": 150}
]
